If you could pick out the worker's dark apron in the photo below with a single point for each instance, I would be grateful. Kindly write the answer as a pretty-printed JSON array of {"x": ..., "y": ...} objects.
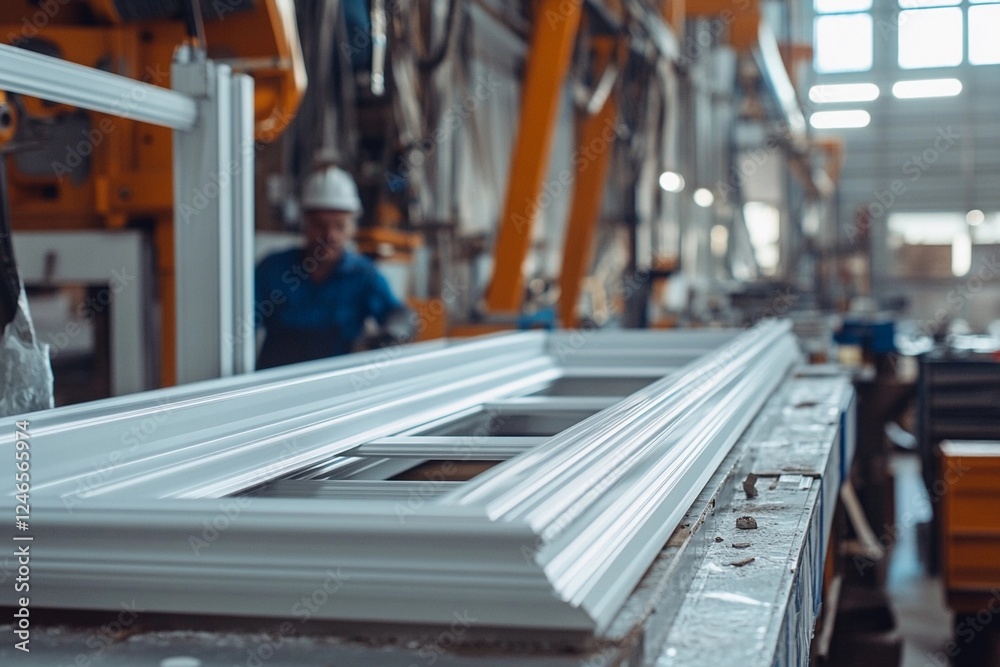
[{"x": 290, "y": 345}]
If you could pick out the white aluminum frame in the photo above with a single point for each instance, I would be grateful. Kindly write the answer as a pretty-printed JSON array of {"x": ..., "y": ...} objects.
[
  {"x": 213, "y": 221},
  {"x": 58, "y": 80},
  {"x": 557, "y": 536},
  {"x": 211, "y": 113}
]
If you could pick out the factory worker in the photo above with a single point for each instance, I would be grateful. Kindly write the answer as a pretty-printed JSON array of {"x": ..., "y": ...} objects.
[{"x": 313, "y": 301}]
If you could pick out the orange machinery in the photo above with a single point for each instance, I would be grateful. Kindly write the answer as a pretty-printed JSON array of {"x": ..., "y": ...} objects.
[{"x": 88, "y": 170}]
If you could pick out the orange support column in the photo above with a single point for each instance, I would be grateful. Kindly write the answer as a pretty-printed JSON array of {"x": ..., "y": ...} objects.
[
  {"x": 596, "y": 140},
  {"x": 555, "y": 29}
]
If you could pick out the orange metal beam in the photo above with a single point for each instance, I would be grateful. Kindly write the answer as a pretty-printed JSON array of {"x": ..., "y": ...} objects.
[
  {"x": 555, "y": 29},
  {"x": 710, "y": 8},
  {"x": 593, "y": 157}
]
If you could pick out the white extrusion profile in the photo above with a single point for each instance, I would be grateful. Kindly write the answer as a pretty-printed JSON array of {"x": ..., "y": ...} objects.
[
  {"x": 29, "y": 73},
  {"x": 555, "y": 536},
  {"x": 213, "y": 223}
]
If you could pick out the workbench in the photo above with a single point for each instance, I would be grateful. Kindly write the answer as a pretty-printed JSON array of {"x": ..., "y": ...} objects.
[{"x": 699, "y": 601}]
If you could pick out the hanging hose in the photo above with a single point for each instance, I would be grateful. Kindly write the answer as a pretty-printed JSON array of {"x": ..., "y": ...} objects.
[{"x": 431, "y": 61}]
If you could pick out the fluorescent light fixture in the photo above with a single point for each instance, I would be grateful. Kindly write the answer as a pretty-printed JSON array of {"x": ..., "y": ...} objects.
[
  {"x": 975, "y": 217},
  {"x": 831, "y": 120},
  {"x": 671, "y": 181},
  {"x": 703, "y": 197},
  {"x": 917, "y": 88},
  {"x": 844, "y": 92}
]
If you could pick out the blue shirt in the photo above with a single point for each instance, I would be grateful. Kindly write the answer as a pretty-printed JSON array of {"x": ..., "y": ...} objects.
[{"x": 305, "y": 319}]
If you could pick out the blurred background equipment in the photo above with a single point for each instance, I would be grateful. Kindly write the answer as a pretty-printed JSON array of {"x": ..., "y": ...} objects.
[{"x": 599, "y": 195}]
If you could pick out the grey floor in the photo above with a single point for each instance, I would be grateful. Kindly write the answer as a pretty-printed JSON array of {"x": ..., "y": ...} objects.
[{"x": 923, "y": 620}]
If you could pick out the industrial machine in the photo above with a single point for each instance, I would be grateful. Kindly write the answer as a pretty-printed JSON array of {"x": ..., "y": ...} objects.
[
  {"x": 73, "y": 168},
  {"x": 580, "y": 497}
]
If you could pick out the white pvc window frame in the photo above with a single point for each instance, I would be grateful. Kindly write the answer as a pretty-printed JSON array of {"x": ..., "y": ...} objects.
[{"x": 556, "y": 536}]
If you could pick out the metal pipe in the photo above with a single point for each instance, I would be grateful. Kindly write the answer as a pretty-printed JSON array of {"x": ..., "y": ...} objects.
[{"x": 57, "y": 80}]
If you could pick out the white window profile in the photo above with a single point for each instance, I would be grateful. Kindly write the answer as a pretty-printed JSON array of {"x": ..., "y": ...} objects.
[{"x": 556, "y": 536}]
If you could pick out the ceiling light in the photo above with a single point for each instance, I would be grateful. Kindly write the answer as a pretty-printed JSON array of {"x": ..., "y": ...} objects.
[
  {"x": 703, "y": 197},
  {"x": 833, "y": 120},
  {"x": 844, "y": 92},
  {"x": 908, "y": 90},
  {"x": 671, "y": 181}
]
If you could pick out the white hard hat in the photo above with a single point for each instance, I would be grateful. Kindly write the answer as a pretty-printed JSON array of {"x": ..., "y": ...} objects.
[{"x": 331, "y": 189}]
